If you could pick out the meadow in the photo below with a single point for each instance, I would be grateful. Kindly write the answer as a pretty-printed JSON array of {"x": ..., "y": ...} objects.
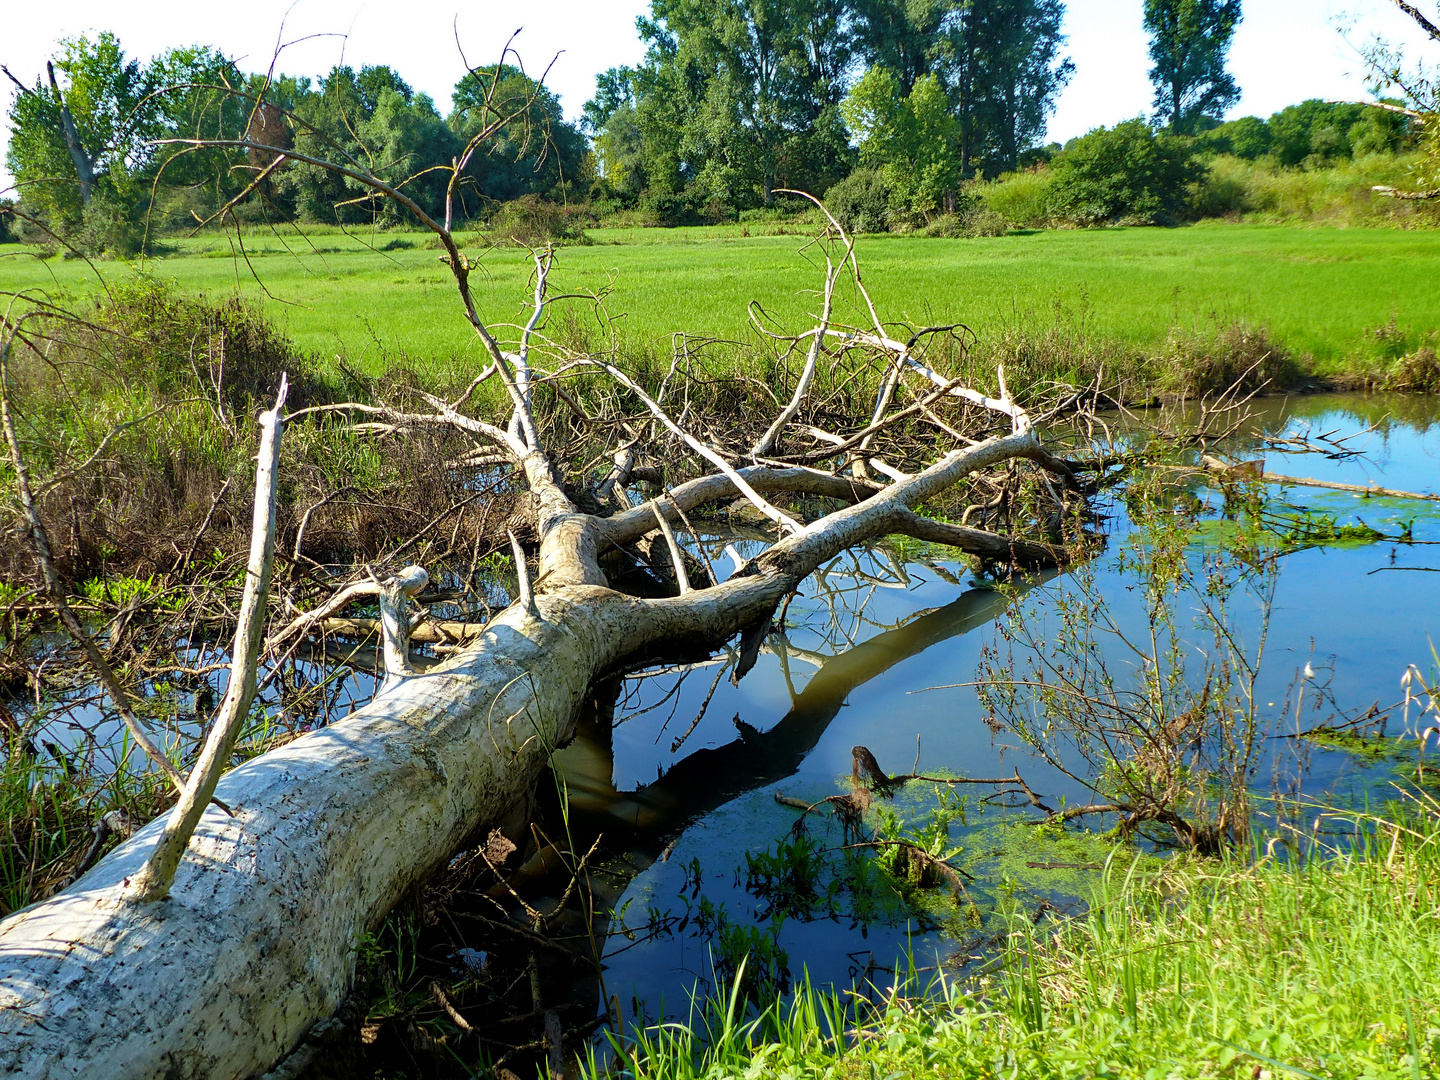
[{"x": 378, "y": 297}]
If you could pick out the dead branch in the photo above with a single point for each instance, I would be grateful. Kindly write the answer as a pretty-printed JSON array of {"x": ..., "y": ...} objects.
[
  {"x": 1247, "y": 470},
  {"x": 153, "y": 881}
]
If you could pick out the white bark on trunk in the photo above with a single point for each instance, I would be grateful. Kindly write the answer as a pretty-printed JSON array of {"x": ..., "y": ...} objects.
[{"x": 259, "y": 935}]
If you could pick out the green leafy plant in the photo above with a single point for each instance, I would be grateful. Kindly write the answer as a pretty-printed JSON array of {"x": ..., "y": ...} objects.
[{"x": 1156, "y": 715}]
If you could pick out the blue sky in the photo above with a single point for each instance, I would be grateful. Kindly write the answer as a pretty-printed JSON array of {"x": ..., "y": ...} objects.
[{"x": 1285, "y": 51}]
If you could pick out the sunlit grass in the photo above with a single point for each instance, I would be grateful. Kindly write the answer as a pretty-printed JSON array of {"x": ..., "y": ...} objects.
[
  {"x": 1327, "y": 966},
  {"x": 1320, "y": 291}
]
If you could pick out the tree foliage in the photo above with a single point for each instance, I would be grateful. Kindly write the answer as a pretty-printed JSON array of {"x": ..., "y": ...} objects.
[
  {"x": 738, "y": 97},
  {"x": 913, "y": 139},
  {"x": 118, "y": 108},
  {"x": 535, "y": 154},
  {"x": 1127, "y": 173},
  {"x": 1189, "y": 41}
]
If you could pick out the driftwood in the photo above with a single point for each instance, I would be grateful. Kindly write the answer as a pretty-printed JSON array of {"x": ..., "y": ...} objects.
[
  {"x": 256, "y": 938},
  {"x": 1251, "y": 470}
]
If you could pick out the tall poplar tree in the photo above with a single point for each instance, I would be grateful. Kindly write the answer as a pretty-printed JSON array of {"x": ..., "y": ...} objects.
[
  {"x": 1005, "y": 73},
  {"x": 1189, "y": 40}
]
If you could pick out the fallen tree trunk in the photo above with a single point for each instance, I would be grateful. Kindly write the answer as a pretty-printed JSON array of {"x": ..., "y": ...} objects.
[{"x": 258, "y": 935}]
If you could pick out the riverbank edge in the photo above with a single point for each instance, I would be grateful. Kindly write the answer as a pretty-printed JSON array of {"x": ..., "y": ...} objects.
[{"x": 1306, "y": 959}]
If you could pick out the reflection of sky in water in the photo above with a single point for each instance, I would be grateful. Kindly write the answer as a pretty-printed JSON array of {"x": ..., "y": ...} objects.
[
  {"x": 1345, "y": 603},
  {"x": 902, "y": 627}
]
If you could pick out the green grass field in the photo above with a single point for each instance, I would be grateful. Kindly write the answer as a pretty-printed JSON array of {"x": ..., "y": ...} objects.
[{"x": 1319, "y": 290}]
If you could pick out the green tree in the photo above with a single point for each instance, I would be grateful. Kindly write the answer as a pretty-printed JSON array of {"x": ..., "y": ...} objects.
[
  {"x": 374, "y": 118},
  {"x": 193, "y": 100},
  {"x": 88, "y": 154},
  {"x": 1249, "y": 138},
  {"x": 620, "y": 148},
  {"x": 999, "y": 61},
  {"x": 914, "y": 139},
  {"x": 614, "y": 89},
  {"x": 534, "y": 155},
  {"x": 1189, "y": 40},
  {"x": 908, "y": 38},
  {"x": 69, "y": 143},
  {"x": 737, "y": 97},
  {"x": 1313, "y": 130},
  {"x": 1128, "y": 172},
  {"x": 1005, "y": 72}
]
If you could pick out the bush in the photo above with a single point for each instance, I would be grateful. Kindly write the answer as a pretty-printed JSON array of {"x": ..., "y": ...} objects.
[
  {"x": 1022, "y": 199},
  {"x": 1126, "y": 174},
  {"x": 861, "y": 202},
  {"x": 110, "y": 226},
  {"x": 668, "y": 210},
  {"x": 1238, "y": 358},
  {"x": 1247, "y": 138},
  {"x": 8, "y": 234},
  {"x": 974, "y": 219},
  {"x": 1224, "y": 192},
  {"x": 1339, "y": 194},
  {"x": 531, "y": 221}
]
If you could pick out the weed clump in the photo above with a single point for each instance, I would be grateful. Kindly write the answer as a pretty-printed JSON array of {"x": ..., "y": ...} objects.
[
  {"x": 1238, "y": 358},
  {"x": 1416, "y": 371},
  {"x": 532, "y": 221}
]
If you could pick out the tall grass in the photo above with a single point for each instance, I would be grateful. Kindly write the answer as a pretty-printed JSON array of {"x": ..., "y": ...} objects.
[
  {"x": 1340, "y": 194},
  {"x": 1324, "y": 966}
]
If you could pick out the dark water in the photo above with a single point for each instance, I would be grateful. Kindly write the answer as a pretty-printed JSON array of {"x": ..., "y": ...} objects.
[{"x": 874, "y": 630}]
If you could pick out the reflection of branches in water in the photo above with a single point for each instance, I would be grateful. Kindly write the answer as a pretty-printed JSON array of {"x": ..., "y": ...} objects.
[
  {"x": 842, "y": 592},
  {"x": 638, "y": 682},
  {"x": 704, "y": 707}
]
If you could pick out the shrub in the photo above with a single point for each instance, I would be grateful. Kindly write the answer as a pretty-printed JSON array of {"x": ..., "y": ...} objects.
[
  {"x": 974, "y": 219},
  {"x": 110, "y": 226},
  {"x": 861, "y": 202},
  {"x": 1127, "y": 173},
  {"x": 531, "y": 221},
  {"x": 1238, "y": 358},
  {"x": 1022, "y": 199},
  {"x": 1247, "y": 138},
  {"x": 7, "y": 222},
  {"x": 668, "y": 209},
  {"x": 1224, "y": 191}
]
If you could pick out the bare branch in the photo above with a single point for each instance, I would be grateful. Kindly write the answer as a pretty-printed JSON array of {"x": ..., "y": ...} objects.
[
  {"x": 1424, "y": 23},
  {"x": 681, "y": 577},
  {"x": 154, "y": 880},
  {"x": 785, "y": 521}
]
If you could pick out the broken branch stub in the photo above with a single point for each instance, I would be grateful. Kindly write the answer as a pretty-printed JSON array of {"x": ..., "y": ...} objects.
[{"x": 395, "y": 621}]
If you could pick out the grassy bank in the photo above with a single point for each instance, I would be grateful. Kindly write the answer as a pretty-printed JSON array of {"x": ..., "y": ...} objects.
[
  {"x": 1325, "y": 966},
  {"x": 1320, "y": 292}
]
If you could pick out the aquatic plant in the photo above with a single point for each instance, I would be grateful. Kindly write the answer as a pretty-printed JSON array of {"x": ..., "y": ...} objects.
[{"x": 1155, "y": 715}]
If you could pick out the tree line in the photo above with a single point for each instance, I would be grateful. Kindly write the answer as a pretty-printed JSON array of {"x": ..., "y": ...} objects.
[
  {"x": 738, "y": 98},
  {"x": 102, "y": 164},
  {"x": 894, "y": 107}
]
